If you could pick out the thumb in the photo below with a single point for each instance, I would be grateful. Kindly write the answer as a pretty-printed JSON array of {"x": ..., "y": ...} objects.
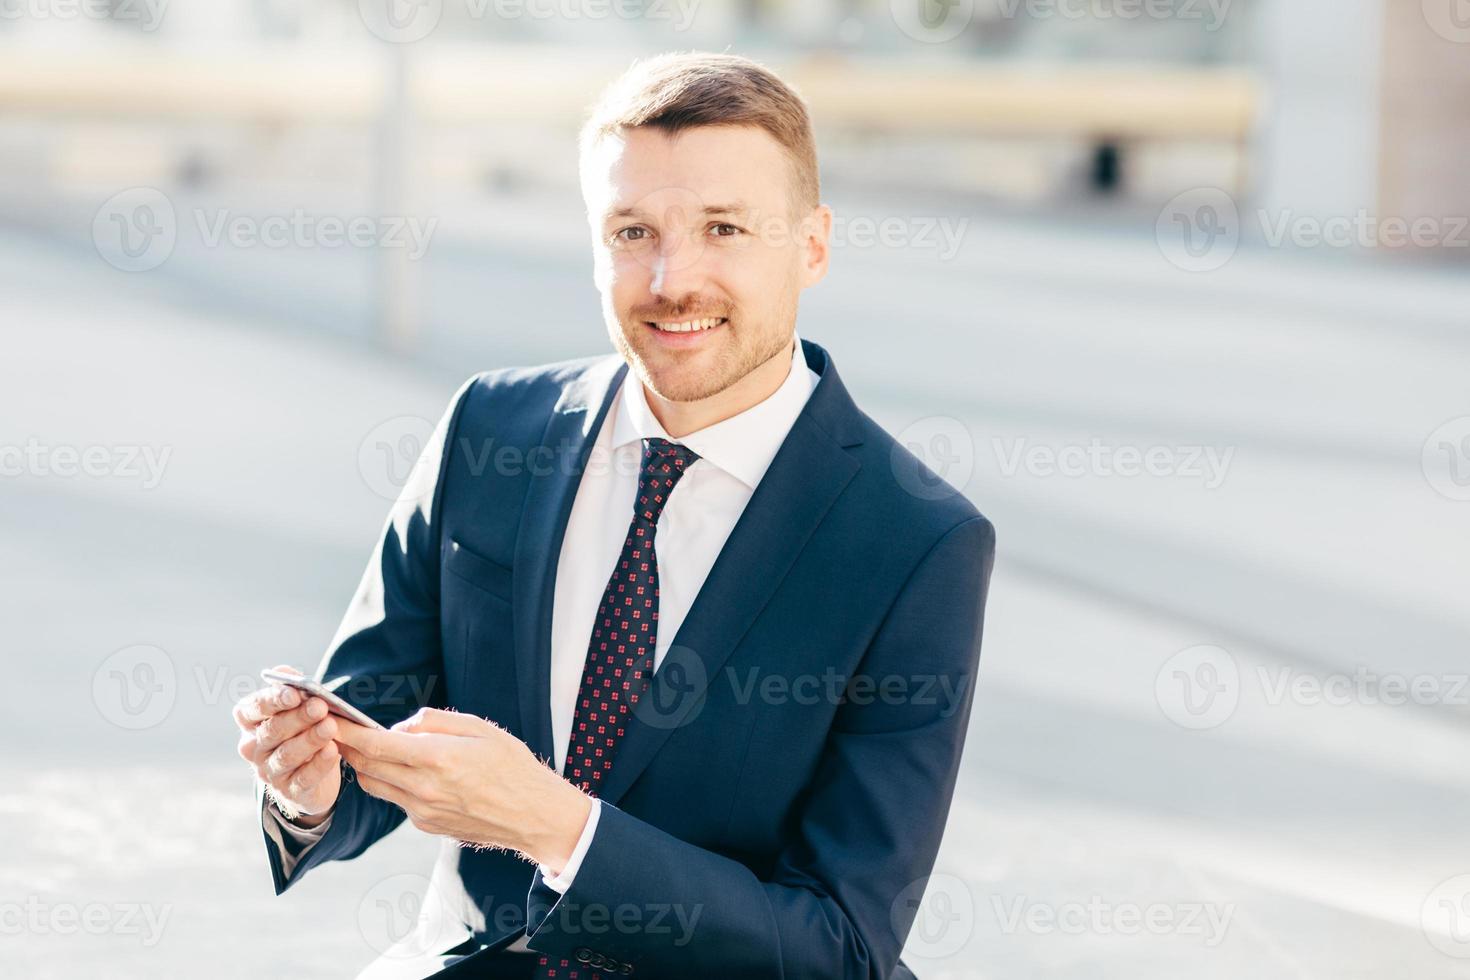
[{"x": 442, "y": 722}]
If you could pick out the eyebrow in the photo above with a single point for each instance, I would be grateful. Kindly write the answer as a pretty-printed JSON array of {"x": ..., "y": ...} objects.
[{"x": 734, "y": 207}]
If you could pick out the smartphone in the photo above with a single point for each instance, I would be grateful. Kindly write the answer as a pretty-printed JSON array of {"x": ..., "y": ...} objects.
[{"x": 335, "y": 704}]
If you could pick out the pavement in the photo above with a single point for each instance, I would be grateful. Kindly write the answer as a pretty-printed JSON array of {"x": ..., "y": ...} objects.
[{"x": 1191, "y": 750}]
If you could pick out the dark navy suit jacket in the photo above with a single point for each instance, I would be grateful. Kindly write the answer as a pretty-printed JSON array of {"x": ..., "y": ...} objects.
[{"x": 788, "y": 820}]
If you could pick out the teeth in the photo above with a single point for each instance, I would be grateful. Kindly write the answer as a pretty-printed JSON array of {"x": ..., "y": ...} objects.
[{"x": 690, "y": 325}]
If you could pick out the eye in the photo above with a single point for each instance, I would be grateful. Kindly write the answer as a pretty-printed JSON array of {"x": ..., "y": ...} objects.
[
  {"x": 726, "y": 230},
  {"x": 631, "y": 234}
]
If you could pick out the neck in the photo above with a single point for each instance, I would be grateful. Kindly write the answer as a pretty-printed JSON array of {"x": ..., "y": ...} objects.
[{"x": 681, "y": 418}]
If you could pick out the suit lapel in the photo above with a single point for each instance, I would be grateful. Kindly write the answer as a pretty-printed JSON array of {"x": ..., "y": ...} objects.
[
  {"x": 570, "y": 435},
  {"x": 806, "y": 477}
]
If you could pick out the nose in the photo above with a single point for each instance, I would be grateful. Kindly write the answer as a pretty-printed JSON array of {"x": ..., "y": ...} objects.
[{"x": 678, "y": 267}]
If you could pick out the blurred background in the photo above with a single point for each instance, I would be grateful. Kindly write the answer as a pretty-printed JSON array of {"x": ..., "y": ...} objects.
[{"x": 1177, "y": 291}]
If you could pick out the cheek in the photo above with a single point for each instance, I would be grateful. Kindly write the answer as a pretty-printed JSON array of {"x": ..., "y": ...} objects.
[{"x": 623, "y": 279}]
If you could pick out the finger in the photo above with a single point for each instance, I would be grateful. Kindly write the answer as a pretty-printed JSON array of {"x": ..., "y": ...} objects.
[
  {"x": 405, "y": 778},
  {"x": 296, "y": 752},
  {"x": 255, "y": 708},
  {"x": 288, "y": 724},
  {"x": 401, "y": 747},
  {"x": 316, "y": 770},
  {"x": 248, "y": 747},
  {"x": 445, "y": 723},
  {"x": 386, "y": 791}
]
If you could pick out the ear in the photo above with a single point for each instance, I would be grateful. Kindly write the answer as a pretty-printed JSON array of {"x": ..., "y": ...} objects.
[{"x": 816, "y": 245}]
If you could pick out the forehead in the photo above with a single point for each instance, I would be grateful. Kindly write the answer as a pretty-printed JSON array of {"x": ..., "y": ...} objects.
[{"x": 715, "y": 164}]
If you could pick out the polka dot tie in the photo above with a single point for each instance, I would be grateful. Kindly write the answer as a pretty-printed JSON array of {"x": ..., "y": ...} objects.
[{"x": 620, "y": 653}]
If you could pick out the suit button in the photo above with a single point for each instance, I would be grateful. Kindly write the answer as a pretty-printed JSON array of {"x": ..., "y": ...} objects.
[{"x": 583, "y": 955}]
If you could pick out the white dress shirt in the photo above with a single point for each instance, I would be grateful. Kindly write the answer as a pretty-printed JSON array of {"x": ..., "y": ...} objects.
[{"x": 696, "y": 520}]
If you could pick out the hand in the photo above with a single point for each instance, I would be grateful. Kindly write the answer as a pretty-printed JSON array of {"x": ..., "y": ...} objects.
[
  {"x": 464, "y": 777},
  {"x": 287, "y": 737}
]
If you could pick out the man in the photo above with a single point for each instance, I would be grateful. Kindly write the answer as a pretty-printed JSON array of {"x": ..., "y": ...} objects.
[{"x": 678, "y": 646}]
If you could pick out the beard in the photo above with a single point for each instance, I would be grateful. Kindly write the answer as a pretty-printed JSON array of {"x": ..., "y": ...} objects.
[{"x": 670, "y": 374}]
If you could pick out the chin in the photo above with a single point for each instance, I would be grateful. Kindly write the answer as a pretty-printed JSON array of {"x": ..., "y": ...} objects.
[{"x": 681, "y": 384}]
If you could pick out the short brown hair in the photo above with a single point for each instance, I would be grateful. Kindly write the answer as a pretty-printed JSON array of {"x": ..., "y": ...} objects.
[{"x": 678, "y": 91}]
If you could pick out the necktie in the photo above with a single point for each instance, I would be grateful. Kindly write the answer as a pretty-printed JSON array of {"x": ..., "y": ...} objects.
[{"x": 620, "y": 652}]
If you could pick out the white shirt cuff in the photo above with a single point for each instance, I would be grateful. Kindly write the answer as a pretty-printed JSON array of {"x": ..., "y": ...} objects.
[
  {"x": 560, "y": 883},
  {"x": 305, "y": 837}
]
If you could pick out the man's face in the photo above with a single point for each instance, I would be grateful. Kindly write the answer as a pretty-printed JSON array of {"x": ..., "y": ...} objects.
[{"x": 699, "y": 255}]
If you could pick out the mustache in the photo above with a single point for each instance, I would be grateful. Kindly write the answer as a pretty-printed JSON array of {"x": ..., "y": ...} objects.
[{"x": 665, "y": 313}]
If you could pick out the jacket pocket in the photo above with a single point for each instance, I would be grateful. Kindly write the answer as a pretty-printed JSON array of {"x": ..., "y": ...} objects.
[{"x": 479, "y": 571}]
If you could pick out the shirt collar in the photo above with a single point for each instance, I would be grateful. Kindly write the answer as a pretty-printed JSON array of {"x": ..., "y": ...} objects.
[{"x": 742, "y": 445}]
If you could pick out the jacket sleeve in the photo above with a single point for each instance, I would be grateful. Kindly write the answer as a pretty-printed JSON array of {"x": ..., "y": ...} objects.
[
  {"x": 869, "y": 827},
  {"x": 388, "y": 645}
]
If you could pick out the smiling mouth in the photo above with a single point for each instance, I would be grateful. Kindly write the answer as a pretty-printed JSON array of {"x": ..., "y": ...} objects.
[{"x": 688, "y": 326}]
